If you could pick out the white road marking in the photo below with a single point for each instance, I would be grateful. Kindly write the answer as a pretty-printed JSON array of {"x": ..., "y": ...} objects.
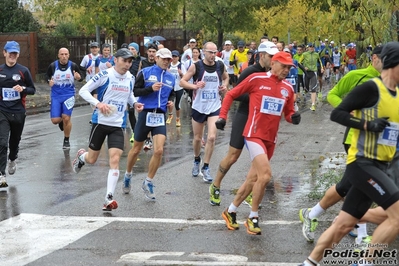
[{"x": 27, "y": 237}]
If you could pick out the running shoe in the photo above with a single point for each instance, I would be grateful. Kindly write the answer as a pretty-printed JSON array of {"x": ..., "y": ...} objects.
[
  {"x": 252, "y": 225},
  {"x": 12, "y": 167},
  {"x": 196, "y": 168},
  {"x": 320, "y": 96},
  {"x": 248, "y": 200},
  {"x": 206, "y": 175},
  {"x": 3, "y": 181},
  {"x": 132, "y": 138},
  {"x": 66, "y": 145},
  {"x": 353, "y": 232},
  {"x": 214, "y": 195},
  {"x": 178, "y": 123},
  {"x": 230, "y": 219},
  {"x": 309, "y": 225},
  {"x": 364, "y": 243},
  {"x": 148, "y": 190},
  {"x": 110, "y": 204},
  {"x": 78, "y": 163},
  {"x": 169, "y": 120},
  {"x": 313, "y": 107},
  {"x": 147, "y": 144},
  {"x": 126, "y": 186},
  {"x": 61, "y": 125}
]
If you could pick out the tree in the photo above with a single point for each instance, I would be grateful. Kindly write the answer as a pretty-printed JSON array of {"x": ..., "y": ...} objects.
[
  {"x": 116, "y": 17},
  {"x": 219, "y": 16},
  {"x": 14, "y": 18}
]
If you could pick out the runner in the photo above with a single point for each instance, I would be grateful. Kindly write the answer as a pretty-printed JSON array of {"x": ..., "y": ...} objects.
[
  {"x": 61, "y": 76},
  {"x": 155, "y": 88},
  {"x": 114, "y": 86},
  {"x": 210, "y": 79},
  {"x": 266, "y": 50},
  {"x": 260, "y": 131},
  {"x": 16, "y": 83}
]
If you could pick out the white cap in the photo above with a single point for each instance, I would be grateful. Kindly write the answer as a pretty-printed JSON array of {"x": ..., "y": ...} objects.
[
  {"x": 332, "y": 42},
  {"x": 164, "y": 53},
  {"x": 227, "y": 42},
  {"x": 192, "y": 40},
  {"x": 287, "y": 50},
  {"x": 343, "y": 44},
  {"x": 326, "y": 40},
  {"x": 268, "y": 47}
]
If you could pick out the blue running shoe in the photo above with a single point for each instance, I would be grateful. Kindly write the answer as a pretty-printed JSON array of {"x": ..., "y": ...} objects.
[
  {"x": 196, "y": 168},
  {"x": 206, "y": 175},
  {"x": 126, "y": 187},
  {"x": 148, "y": 190}
]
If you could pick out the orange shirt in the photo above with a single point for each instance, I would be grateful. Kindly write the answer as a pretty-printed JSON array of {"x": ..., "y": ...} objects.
[{"x": 351, "y": 56}]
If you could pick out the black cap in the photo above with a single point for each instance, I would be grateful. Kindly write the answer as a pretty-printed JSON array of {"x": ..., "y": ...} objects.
[
  {"x": 377, "y": 50},
  {"x": 94, "y": 44},
  {"x": 124, "y": 53},
  {"x": 250, "y": 51},
  {"x": 240, "y": 44},
  {"x": 124, "y": 45},
  {"x": 390, "y": 55}
]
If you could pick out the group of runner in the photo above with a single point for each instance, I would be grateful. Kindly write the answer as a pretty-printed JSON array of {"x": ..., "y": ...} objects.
[{"x": 265, "y": 96}]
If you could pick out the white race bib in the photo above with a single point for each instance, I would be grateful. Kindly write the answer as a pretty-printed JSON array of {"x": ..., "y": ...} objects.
[
  {"x": 69, "y": 103},
  {"x": 155, "y": 119},
  {"x": 9, "y": 94},
  {"x": 389, "y": 136},
  {"x": 291, "y": 81},
  {"x": 208, "y": 95},
  {"x": 272, "y": 105}
]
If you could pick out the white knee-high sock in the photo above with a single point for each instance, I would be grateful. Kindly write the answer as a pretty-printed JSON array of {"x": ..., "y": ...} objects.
[{"x": 113, "y": 176}]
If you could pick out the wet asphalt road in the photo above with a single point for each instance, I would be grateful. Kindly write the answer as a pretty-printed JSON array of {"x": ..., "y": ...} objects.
[{"x": 51, "y": 216}]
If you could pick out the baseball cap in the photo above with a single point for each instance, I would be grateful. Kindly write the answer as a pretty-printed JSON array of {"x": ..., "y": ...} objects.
[
  {"x": 94, "y": 44},
  {"x": 124, "y": 53},
  {"x": 268, "y": 47},
  {"x": 343, "y": 45},
  {"x": 390, "y": 55},
  {"x": 377, "y": 49},
  {"x": 310, "y": 44},
  {"x": 164, "y": 53},
  {"x": 193, "y": 40},
  {"x": 250, "y": 51},
  {"x": 284, "y": 58},
  {"x": 326, "y": 40},
  {"x": 240, "y": 44},
  {"x": 12, "y": 47},
  {"x": 124, "y": 45},
  {"x": 227, "y": 42},
  {"x": 287, "y": 50},
  {"x": 175, "y": 53},
  {"x": 332, "y": 42}
]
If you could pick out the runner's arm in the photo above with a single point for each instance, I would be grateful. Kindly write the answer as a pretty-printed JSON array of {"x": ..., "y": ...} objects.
[{"x": 362, "y": 96}]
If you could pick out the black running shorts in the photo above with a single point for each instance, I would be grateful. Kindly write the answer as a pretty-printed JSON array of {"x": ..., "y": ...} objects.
[{"x": 236, "y": 138}]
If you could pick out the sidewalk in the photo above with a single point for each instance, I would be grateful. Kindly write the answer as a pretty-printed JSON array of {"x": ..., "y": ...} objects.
[{"x": 40, "y": 102}]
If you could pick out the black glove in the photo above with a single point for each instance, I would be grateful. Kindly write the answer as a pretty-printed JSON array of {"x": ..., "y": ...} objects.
[
  {"x": 378, "y": 125},
  {"x": 220, "y": 123},
  {"x": 296, "y": 118}
]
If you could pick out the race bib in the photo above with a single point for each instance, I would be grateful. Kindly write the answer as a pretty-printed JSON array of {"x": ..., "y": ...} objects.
[
  {"x": 207, "y": 95},
  {"x": 351, "y": 61},
  {"x": 155, "y": 120},
  {"x": 9, "y": 94},
  {"x": 291, "y": 81},
  {"x": 69, "y": 103},
  {"x": 272, "y": 105},
  {"x": 119, "y": 105},
  {"x": 389, "y": 136}
]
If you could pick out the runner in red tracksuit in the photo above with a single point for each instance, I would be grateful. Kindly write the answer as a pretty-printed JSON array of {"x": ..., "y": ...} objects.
[{"x": 270, "y": 95}]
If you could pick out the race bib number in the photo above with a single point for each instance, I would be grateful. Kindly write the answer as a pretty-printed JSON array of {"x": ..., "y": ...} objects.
[
  {"x": 69, "y": 103},
  {"x": 155, "y": 120},
  {"x": 389, "y": 136},
  {"x": 272, "y": 105},
  {"x": 207, "y": 95},
  {"x": 351, "y": 61},
  {"x": 9, "y": 94},
  {"x": 291, "y": 81},
  {"x": 119, "y": 105}
]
